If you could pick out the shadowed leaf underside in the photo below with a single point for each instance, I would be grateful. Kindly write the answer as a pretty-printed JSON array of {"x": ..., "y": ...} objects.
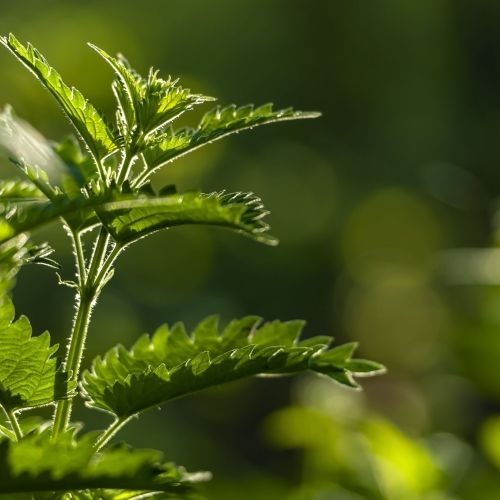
[{"x": 39, "y": 464}]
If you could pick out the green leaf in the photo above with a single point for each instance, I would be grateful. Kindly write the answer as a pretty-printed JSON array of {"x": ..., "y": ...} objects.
[
  {"x": 17, "y": 252},
  {"x": 39, "y": 178},
  {"x": 29, "y": 375},
  {"x": 17, "y": 191},
  {"x": 39, "y": 464},
  {"x": 171, "y": 364},
  {"x": 147, "y": 104},
  {"x": 131, "y": 218},
  {"x": 17, "y": 219},
  {"x": 216, "y": 124},
  {"x": 88, "y": 122}
]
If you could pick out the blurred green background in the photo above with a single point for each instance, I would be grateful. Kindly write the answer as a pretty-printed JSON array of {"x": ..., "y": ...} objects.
[{"x": 385, "y": 208}]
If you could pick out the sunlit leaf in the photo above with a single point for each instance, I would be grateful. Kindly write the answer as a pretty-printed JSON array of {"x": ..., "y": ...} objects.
[
  {"x": 14, "y": 190},
  {"x": 129, "y": 217},
  {"x": 133, "y": 218},
  {"x": 171, "y": 364},
  {"x": 216, "y": 124},
  {"x": 88, "y": 122},
  {"x": 29, "y": 375},
  {"x": 148, "y": 104}
]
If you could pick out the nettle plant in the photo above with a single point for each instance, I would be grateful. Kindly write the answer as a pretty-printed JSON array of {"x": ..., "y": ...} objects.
[{"x": 104, "y": 190}]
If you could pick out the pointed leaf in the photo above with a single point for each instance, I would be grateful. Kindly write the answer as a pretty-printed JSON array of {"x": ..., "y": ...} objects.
[
  {"x": 148, "y": 104},
  {"x": 131, "y": 219},
  {"x": 88, "y": 122},
  {"x": 172, "y": 364},
  {"x": 17, "y": 191},
  {"x": 359, "y": 366},
  {"x": 216, "y": 124}
]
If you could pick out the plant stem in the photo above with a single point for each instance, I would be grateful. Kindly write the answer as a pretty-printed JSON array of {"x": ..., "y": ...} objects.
[
  {"x": 15, "y": 424},
  {"x": 98, "y": 256},
  {"x": 110, "y": 260},
  {"x": 88, "y": 293},
  {"x": 90, "y": 286},
  {"x": 79, "y": 333},
  {"x": 110, "y": 432},
  {"x": 100, "y": 167},
  {"x": 80, "y": 259},
  {"x": 72, "y": 364}
]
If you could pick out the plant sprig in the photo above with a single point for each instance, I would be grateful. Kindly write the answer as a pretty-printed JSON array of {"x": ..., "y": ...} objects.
[{"x": 104, "y": 187}]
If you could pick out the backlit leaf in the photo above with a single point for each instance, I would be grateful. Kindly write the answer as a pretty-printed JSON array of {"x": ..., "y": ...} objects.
[
  {"x": 29, "y": 375},
  {"x": 171, "y": 364},
  {"x": 88, "y": 122}
]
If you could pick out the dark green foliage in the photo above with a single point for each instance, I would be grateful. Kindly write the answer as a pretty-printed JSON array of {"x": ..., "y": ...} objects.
[{"x": 39, "y": 464}]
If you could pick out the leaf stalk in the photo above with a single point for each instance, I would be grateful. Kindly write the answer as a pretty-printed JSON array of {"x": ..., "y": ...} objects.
[
  {"x": 15, "y": 424},
  {"x": 80, "y": 258},
  {"x": 110, "y": 432}
]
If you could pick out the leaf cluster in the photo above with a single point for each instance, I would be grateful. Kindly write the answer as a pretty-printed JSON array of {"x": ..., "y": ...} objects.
[{"x": 98, "y": 185}]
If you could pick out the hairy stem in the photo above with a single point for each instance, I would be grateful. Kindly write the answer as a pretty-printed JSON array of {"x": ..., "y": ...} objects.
[
  {"x": 88, "y": 293},
  {"x": 110, "y": 432},
  {"x": 98, "y": 257},
  {"x": 15, "y": 424},
  {"x": 72, "y": 364},
  {"x": 108, "y": 263},
  {"x": 100, "y": 166},
  {"x": 90, "y": 286},
  {"x": 80, "y": 259},
  {"x": 126, "y": 165}
]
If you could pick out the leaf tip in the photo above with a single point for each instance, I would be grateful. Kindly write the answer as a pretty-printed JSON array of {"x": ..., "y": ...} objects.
[
  {"x": 271, "y": 241},
  {"x": 97, "y": 49},
  {"x": 307, "y": 115}
]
